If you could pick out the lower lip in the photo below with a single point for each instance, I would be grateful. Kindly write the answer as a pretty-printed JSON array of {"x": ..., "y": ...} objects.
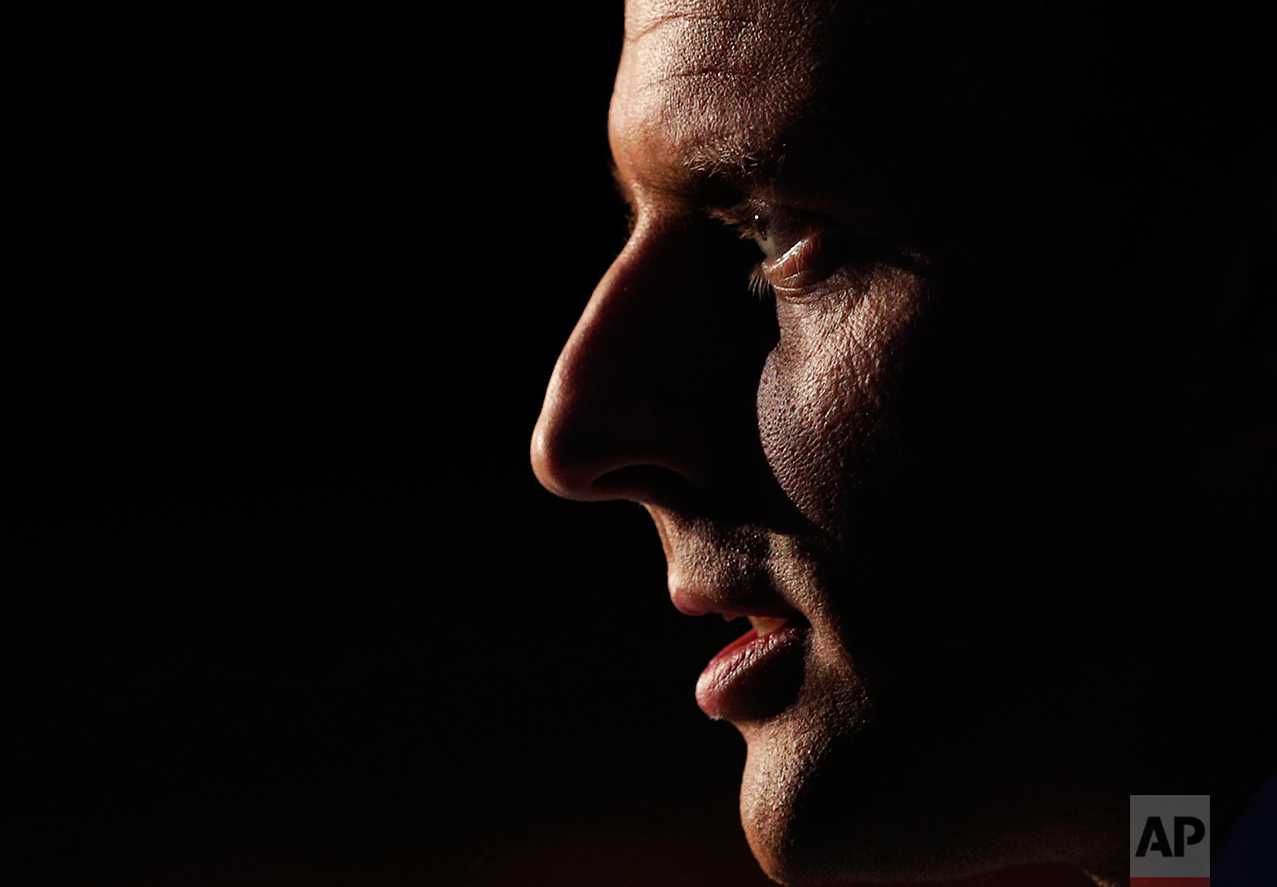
[{"x": 753, "y": 678}]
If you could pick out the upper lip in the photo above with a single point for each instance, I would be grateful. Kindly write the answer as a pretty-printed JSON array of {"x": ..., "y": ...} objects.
[
  {"x": 721, "y": 569},
  {"x": 701, "y": 602}
]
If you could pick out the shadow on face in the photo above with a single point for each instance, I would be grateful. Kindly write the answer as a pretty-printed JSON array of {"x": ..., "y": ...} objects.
[{"x": 962, "y": 446}]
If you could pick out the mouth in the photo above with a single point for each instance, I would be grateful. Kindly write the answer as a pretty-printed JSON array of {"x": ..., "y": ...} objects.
[{"x": 758, "y": 675}]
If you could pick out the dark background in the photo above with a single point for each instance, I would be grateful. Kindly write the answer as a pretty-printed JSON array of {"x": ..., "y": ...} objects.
[{"x": 284, "y": 602}]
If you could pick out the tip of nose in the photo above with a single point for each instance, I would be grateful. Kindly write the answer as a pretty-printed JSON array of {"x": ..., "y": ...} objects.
[
  {"x": 603, "y": 436},
  {"x": 549, "y": 473},
  {"x": 568, "y": 456},
  {"x": 554, "y": 466},
  {"x": 595, "y": 474}
]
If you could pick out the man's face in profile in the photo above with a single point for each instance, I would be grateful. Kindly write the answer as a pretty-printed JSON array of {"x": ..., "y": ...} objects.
[{"x": 825, "y": 414}]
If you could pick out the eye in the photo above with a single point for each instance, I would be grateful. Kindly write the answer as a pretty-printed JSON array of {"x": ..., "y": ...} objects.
[
  {"x": 794, "y": 250},
  {"x": 794, "y": 246},
  {"x": 801, "y": 264},
  {"x": 772, "y": 237}
]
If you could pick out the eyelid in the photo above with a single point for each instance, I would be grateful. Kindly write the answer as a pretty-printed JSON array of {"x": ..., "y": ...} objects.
[
  {"x": 808, "y": 247},
  {"x": 815, "y": 247},
  {"x": 790, "y": 260},
  {"x": 798, "y": 267}
]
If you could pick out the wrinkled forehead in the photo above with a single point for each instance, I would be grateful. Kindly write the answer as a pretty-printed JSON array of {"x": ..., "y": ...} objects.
[{"x": 713, "y": 83}]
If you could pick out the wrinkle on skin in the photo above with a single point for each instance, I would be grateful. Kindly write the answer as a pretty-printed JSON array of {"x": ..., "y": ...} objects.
[
  {"x": 676, "y": 120},
  {"x": 764, "y": 68},
  {"x": 641, "y": 21},
  {"x": 826, "y": 384},
  {"x": 783, "y": 460}
]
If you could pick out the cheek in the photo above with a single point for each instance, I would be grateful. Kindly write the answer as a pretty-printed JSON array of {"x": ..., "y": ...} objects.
[{"x": 825, "y": 395}]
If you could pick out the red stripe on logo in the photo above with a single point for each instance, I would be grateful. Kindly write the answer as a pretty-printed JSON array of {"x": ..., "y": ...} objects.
[{"x": 1170, "y": 882}]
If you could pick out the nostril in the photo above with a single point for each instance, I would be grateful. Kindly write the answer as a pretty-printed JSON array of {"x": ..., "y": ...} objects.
[
  {"x": 580, "y": 467},
  {"x": 650, "y": 484},
  {"x": 591, "y": 448}
]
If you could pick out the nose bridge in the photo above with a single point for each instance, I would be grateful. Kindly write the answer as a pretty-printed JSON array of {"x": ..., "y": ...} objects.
[{"x": 635, "y": 400}]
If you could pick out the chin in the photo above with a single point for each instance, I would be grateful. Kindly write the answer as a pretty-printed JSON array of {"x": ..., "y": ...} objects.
[
  {"x": 827, "y": 799},
  {"x": 798, "y": 806},
  {"x": 772, "y": 808},
  {"x": 802, "y": 821}
]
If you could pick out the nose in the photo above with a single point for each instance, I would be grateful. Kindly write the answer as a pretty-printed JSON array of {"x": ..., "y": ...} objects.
[{"x": 655, "y": 390}]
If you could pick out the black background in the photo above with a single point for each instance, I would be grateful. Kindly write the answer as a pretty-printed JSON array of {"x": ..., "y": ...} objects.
[{"x": 284, "y": 599}]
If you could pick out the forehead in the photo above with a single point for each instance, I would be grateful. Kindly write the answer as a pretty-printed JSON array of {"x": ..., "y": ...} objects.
[
  {"x": 711, "y": 86},
  {"x": 880, "y": 114}
]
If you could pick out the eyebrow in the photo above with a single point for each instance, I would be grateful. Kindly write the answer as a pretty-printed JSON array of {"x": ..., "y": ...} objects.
[
  {"x": 726, "y": 191},
  {"x": 742, "y": 214}
]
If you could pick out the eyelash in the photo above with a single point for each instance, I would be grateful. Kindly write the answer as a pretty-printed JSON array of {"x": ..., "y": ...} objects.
[
  {"x": 748, "y": 226},
  {"x": 759, "y": 286},
  {"x": 755, "y": 229}
]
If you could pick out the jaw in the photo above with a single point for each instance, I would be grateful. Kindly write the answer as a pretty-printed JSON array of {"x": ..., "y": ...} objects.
[{"x": 834, "y": 788}]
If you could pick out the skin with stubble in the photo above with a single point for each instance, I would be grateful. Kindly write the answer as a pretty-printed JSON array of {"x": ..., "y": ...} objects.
[{"x": 864, "y": 363}]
